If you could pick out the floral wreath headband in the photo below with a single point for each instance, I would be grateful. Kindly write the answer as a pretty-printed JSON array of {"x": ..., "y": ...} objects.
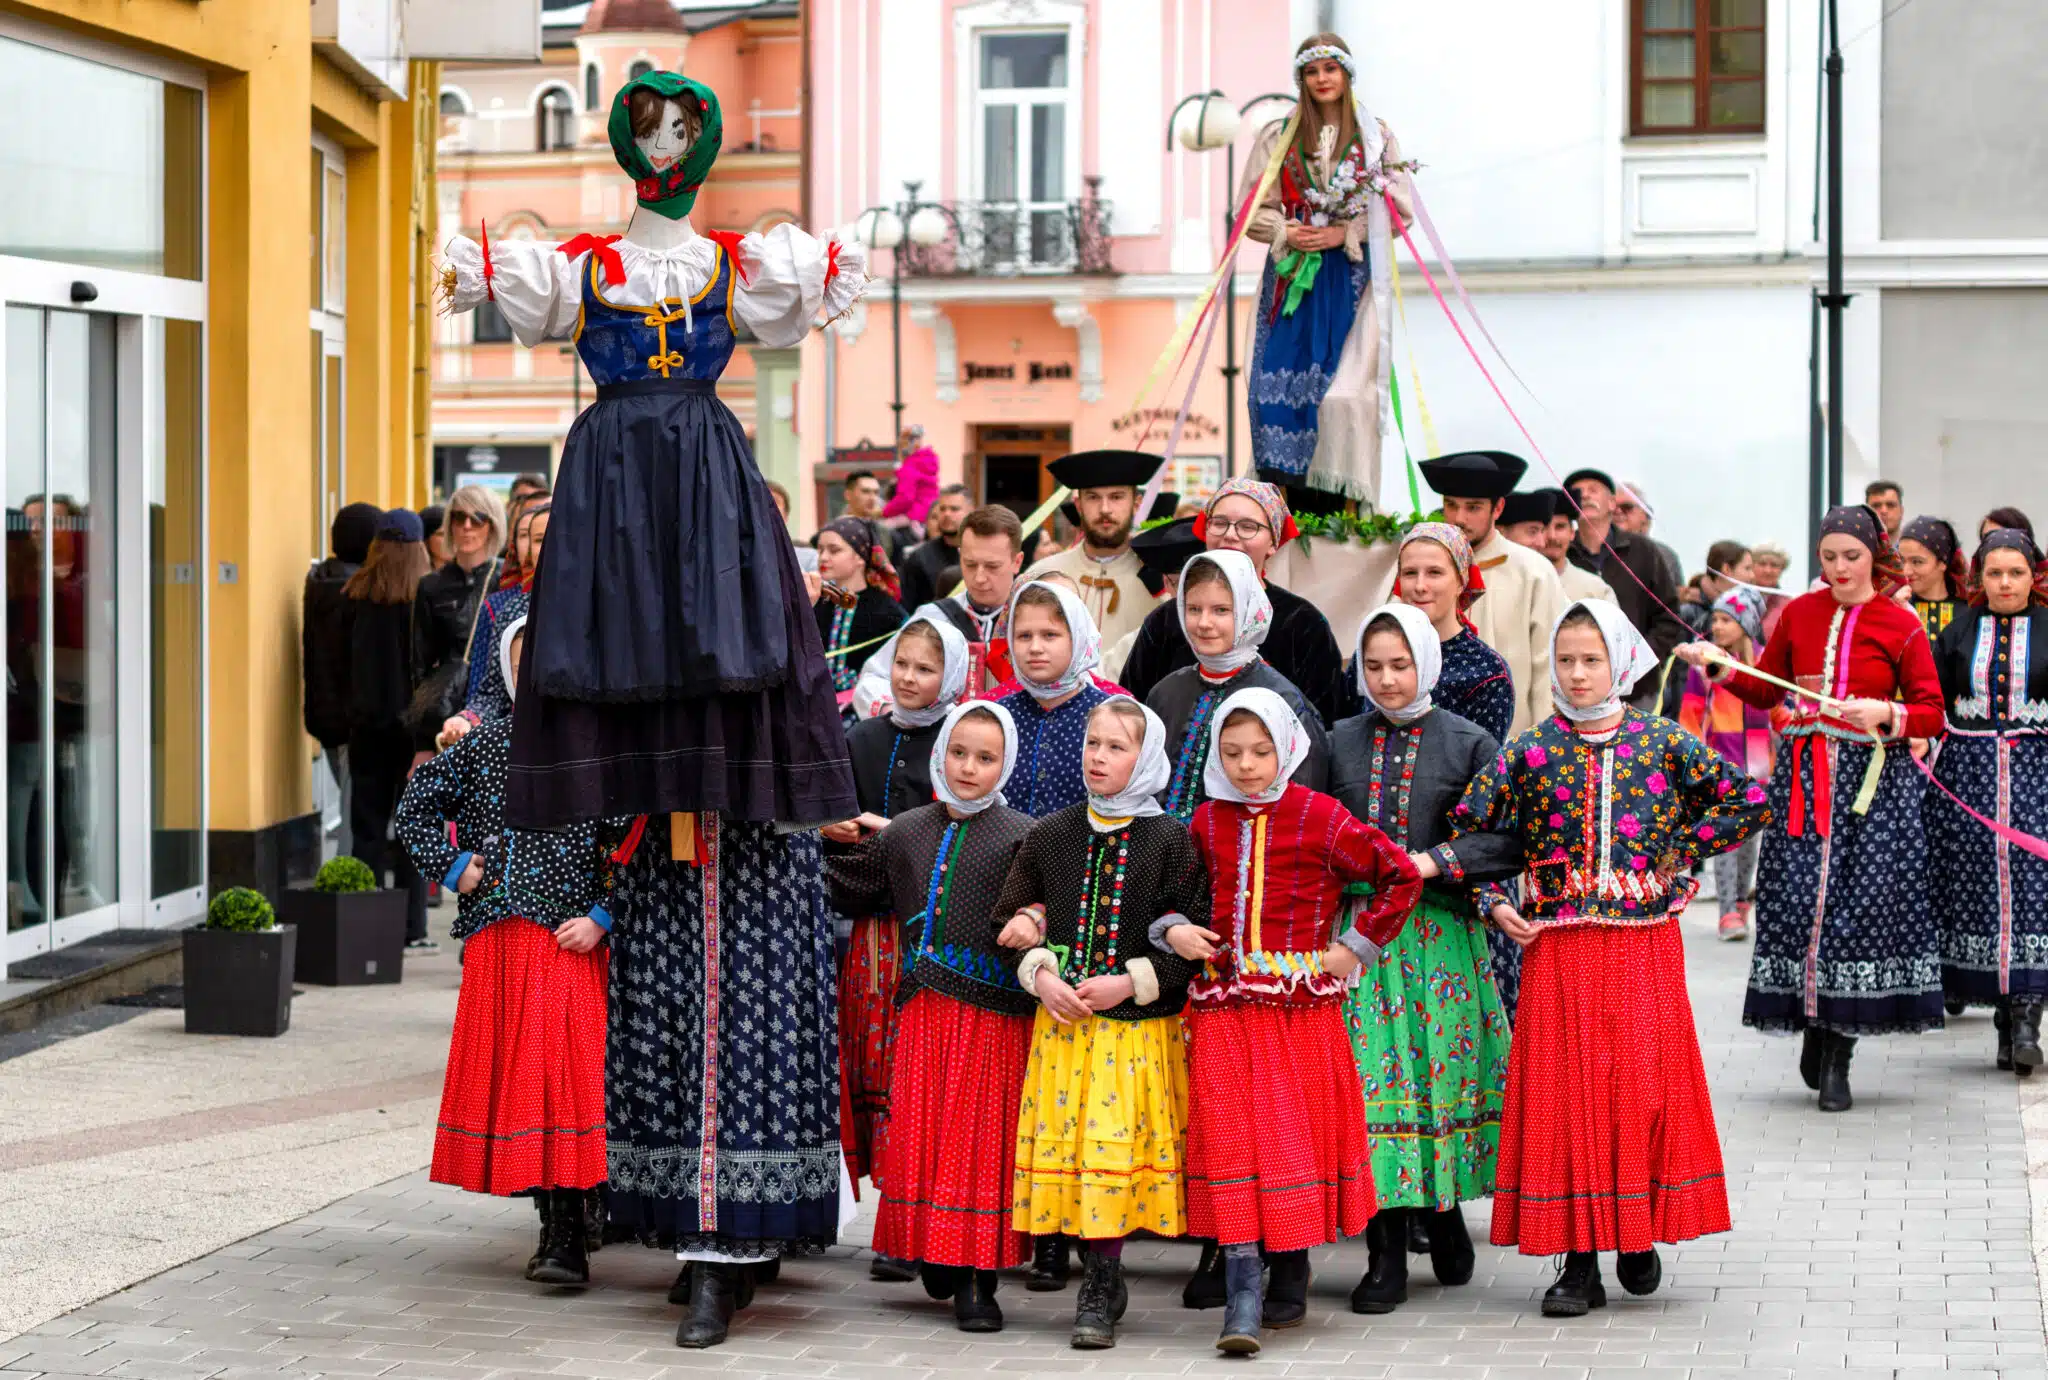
[{"x": 1322, "y": 51}]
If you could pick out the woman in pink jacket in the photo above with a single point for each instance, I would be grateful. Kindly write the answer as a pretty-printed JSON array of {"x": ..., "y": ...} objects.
[{"x": 917, "y": 480}]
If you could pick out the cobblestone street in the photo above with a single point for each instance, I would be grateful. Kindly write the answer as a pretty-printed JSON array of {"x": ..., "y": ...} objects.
[{"x": 1892, "y": 1241}]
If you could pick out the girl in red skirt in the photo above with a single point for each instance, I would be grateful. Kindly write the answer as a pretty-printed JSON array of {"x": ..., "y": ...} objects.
[
  {"x": 891, "y": 774},
  {"x": 1607, "y": 1138},
  {"x": 522, "y": 1103},
  {"x": 1277, "y": 1150},
  {"x": 963, "y": 1025}
]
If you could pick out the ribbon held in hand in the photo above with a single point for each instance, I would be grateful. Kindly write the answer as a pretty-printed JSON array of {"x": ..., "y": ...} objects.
[{"x": 1298, "y": 268}]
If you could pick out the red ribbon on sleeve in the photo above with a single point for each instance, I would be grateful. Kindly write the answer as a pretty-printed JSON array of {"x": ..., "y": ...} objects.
[
  {"x": 600, "y": 245},
  {"x": 729, "y": 241},
  {"x": 485, "y": 231}
]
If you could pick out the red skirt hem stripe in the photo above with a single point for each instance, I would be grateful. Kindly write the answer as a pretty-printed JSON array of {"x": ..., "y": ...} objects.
[
  {"x": 949, "y": 1156},
  {"x": 1277, "y": 1145},
  {"x": 1607, "y": 1138},
  {"x": 867, "y": 1019},
  {"x": 522, "y": 1102}
]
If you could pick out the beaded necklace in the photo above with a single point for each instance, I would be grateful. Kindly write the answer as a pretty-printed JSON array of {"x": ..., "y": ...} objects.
[
  {"x": 1182, "y": 794},
  {"x": 1395, "y": 829},
  {"x": 1095, "y": 935},
  {"x": 844, "y": 674},
  {"x": 932, "y": 944}
]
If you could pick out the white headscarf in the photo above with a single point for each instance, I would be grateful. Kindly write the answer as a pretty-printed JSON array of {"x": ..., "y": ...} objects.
[
  {"x": 952, "y": 679},
  {"x": 505, "y": 654},
  {"x": 941, "y": 787},
  {"x": 1423, "y": 645},
  {"x": 1149, "y": 775},
  {"x": 1630, "y": 655},
  {"x": 1250, "y": 606},
  {"x": 1087, "y": 642},
  {"x": 1290, "y": 739}
]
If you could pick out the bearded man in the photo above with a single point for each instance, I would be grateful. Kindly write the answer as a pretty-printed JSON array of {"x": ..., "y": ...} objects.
[{"x": 1109, "y": 574}]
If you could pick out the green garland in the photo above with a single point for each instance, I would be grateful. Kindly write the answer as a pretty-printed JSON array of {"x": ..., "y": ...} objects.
[{"x": 1373, "y": 529}]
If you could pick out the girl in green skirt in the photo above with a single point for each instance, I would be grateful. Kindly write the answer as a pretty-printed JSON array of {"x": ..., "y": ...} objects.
[{"x": 1426, "y": 1023}]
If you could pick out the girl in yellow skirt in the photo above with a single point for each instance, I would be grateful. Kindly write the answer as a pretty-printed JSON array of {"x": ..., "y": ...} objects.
[{"x": 1104, "y": 1112}]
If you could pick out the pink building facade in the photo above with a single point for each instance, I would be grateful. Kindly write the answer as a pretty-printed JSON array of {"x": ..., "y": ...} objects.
[
  {"x": 1070, "y": 240},
  {"x": 524, "y": 154}
]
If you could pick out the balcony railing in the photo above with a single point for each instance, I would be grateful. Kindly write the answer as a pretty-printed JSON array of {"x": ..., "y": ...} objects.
[{"x": 1012, "y": 238}]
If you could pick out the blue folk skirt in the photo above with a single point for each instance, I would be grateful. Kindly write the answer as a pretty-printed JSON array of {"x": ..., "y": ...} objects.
[
  {"x": 722, "y": 1061},
  {"x": 1990, "y": 899},
  {"x": 672, "y": 661},
  {"x": 1845, "y": 932},
  {"x": 1294, "y": 360}
]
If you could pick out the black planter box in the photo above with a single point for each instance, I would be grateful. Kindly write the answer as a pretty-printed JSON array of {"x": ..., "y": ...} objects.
[
  {"x": 347, "y": 939},
  {"x": 239, "y": 982}
]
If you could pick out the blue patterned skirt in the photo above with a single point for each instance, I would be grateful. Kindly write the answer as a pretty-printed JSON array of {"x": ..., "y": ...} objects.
[
  {"x": 722, "y": 1067},
  {"x": 1845, "y": 935},
  {"x": 1990, "y": 899},
  {"x": 1294, "y": 360}
]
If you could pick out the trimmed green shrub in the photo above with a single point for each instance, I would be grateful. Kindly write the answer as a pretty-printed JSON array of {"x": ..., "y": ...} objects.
[
  {"x": 240, "y": 908},
  {"x": 344, "y": 874}
]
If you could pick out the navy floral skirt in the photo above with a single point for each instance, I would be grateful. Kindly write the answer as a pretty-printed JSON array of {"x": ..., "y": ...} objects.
[
  {"x": 722, "y": 1068},
  {"x": 1990, "y": 899},
  {"x": 1845, "y": 933}
]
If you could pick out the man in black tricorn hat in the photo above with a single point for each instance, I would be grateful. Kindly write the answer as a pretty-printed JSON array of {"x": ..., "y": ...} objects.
[
  {"x": 1630, "y": 565},
  {"x": 1523, "y": 598},
  {"x": 1106, "y": 484}
]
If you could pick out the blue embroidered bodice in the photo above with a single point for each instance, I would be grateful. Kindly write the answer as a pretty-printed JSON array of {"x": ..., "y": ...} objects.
[{"x": 621, "y": 343}]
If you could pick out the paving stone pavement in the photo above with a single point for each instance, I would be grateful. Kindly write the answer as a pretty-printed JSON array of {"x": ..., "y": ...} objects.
[{"x": 1892, "y": 1241}]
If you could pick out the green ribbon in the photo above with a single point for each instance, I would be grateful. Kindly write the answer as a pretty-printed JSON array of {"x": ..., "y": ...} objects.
[
  {"x": 674, "y": 192},
  {"x": 1407, "y": 451},
  {"x": 1299, "y": 267}
]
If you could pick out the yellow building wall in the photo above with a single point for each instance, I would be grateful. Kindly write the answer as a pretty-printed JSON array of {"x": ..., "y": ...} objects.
[{"x": 268, "y": 90}]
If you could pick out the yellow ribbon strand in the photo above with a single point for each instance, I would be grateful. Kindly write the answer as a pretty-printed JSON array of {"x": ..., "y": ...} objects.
[
  {"x": 1414, "y": 374},
  {"x": 1867, "y": 792}
]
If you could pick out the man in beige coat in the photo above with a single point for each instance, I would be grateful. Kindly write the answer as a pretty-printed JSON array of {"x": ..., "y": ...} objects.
[
  {"x": 1545, "y": 521},
  {"x": 1523, "y": 597},
  {"x": 1108, "y": 574}
]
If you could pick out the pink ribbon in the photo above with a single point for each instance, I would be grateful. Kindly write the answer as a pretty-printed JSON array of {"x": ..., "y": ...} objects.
[{"x": 2037, "y": 847}]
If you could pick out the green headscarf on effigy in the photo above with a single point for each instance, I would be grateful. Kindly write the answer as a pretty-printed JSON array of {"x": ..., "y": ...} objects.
[{"x": 674, "y": 192}]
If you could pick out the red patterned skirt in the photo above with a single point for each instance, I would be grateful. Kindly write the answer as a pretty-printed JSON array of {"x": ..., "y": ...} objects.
[
  {"x": 1607, "y": 1138},
  {"x": 867, "y": 1021},
  {"x": 951, "y": 1150},
  {"x": 522, "y": 1103},
  {"x": 1277, "y": 1146}
]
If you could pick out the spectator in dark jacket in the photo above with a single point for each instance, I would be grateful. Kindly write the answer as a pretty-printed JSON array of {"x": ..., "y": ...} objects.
[
  {"x": 446, "y": 607},
  {"x": 323, "y": 644},
  {"x": 378, "y": 608},
  {"x": 1633, "y": 568}
]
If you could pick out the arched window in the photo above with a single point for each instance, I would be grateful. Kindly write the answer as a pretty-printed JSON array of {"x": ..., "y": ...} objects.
[
  {"x": 591, "y": 100},
  {"x": 639, "y": 69},
  {"x": 557, "y": 120},
  {"x": 452, "y": 103}
]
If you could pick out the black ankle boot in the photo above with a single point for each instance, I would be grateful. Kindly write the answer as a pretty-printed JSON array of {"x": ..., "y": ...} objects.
[
  {"x": 679, "y": 1292},
  {"x": 544, "y": 1206},
  {"x": 1578, "y": 1290},
  {"x": 2001, "y": 1021},
  {"x": 1286, "y": 1303},
  {"x": 1810, "y": 1047},
  {"x": 1954, "y": 1007},
  {"x": 974, "y": 1302},
  {"x": 887, "y": 1269},
  {"x": 1418, "y": 1232},
  {"x": 1834, "y": 1072},
  {"x": 941, "y": 1282},
  {"x": 713, "y": 1300},
  {"x": 2026, "y": 1036},
  {"x": 1639, "y": 1272},
  {"x": 1450, "y": 1246},
  {"x": 1100, "y": 1303},
  {"x": 1205, "y": 1288},
  {"x": 1243, "y": 1276},
  {"x": 1049, "y": 1265},
  {"x": 1385, "y": 1285},
  {"x": 562, "y": 1258}
]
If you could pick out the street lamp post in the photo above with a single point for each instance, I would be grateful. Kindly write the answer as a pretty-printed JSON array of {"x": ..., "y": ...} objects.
[
  {"x": 1214, "y": 124},
  {"x": 885, "y": 227}
]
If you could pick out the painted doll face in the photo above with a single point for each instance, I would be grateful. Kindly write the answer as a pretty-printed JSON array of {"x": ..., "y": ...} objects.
[
  {"x": 916, "y": 672},
  {"x": 669, "y": 140},
  {"x": 1110, "y": 753},
  {"x": 974, "y": 756},
  {"x": 1389, "y": 668},
  {"x": 1249, "y": 757},
  {"x": 1210, "y": 616}
]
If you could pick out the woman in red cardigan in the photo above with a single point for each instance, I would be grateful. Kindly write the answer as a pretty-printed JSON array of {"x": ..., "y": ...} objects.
[
  {"x": 1846, "y": 942},
  {"x": 1277, "y": 1149}
]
